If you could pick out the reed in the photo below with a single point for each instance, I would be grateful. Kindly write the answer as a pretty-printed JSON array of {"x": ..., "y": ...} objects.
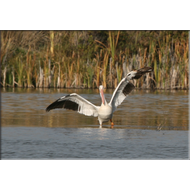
[
  {"x": 113, "y": 41},
  {"x": 87, "y": 59},
  {"x": 105, "y": 64},
  {"x": 20, "y": 72},
  {"x": 97, "y": 60}
]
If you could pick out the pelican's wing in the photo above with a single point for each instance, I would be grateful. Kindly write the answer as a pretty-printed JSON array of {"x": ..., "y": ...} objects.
[
  {"x": 125, "y": 87},
  {"x": 120, "y": 93},
  {"x": 75, "y": 102}
]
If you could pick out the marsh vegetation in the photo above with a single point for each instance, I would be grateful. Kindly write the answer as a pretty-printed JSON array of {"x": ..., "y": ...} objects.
[{"x": 86, "y": 59}]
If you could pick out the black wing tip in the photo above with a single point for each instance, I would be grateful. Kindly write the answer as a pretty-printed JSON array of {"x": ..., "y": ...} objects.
[
  {"x": 47, "y": 109},
  {"x": 142, "y": 71},
  {"x": 145, "y": 69},
  {"x": 50, "y": 107},
  {"x": 63, "y": 103}
]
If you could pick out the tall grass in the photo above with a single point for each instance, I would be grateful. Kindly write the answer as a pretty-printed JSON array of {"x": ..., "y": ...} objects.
[{"x": 79, "y": 59}]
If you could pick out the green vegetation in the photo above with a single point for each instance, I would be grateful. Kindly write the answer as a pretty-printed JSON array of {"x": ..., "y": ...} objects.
[{"x": 86, "y": 59}]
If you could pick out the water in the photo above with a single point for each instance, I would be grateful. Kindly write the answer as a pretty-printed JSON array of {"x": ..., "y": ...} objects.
[{"x": 148, "y": 125}]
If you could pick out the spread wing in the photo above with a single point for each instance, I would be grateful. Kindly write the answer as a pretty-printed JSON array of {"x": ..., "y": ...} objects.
[
  {"x": 120, "y": 93},
  {"x": 125, "y": 87},
  {"x": 75, "y": 102}
]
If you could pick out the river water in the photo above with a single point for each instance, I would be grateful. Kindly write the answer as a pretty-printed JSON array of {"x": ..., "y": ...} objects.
[{"x": 148, "y": 125}]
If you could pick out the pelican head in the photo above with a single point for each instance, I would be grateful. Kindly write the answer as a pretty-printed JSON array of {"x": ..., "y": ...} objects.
[{"x": 101, "y": 87}]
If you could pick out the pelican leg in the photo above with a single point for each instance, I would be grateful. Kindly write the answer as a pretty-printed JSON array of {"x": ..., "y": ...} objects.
[
  {"x": 112, "y": 124},
  {"x": 100, "y": 124}
]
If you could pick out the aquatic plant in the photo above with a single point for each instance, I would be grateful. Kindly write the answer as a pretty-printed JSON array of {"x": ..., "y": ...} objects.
[{"x": 86, "y": 59}]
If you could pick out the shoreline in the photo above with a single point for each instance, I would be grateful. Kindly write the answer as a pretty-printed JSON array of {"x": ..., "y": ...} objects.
[{"x": 136, "y": 88}]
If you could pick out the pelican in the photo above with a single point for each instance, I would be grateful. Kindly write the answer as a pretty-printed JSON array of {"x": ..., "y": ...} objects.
[{"x": 105, "y": 111}]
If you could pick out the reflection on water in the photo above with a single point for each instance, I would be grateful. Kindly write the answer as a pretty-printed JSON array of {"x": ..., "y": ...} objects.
[
  {"x": 143, "y": 109},
  {"x": 28, "y": 132}
]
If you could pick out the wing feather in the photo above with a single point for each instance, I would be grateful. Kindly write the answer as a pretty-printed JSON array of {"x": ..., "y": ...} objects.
[
  {"x": 125, "y": 87},
  {"x": 121, "y": 92},
  {"x": 76, "y": 103}
]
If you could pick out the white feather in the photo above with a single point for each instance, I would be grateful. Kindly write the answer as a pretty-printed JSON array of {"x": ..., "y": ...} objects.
[
  {"x": 118, "y": 96},
  {"x": 85, "y": 107}
]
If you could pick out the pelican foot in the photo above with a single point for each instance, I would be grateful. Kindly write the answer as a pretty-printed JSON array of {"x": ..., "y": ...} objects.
[{"x": 112, "y": 124}]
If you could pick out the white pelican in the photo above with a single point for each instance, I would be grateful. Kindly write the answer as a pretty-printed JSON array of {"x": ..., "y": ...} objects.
[{"x": 105, "y": 111}]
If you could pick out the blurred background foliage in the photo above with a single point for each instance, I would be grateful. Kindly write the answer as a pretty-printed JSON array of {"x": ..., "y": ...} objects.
[{"x": 86, "y": 59}]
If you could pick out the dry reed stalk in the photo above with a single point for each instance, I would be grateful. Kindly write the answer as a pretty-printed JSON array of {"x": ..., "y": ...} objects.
[
  {"x": 110, "y": 73},
  {"x": 105, "y": 64},
  {"x": 4, "y": 76},
  {"x": 13, "y": 74},
  {"x": 77, "y": 84},
  {"x": 74, "y": 82},
  {"x": 34, "y": 68},
  {"x": 119, "y": 72},
  {"x": 20, "y": 71},
  {"x": 124, "y": 68},
  {"x": 113, "y": 44},
  {"x": 70, "y": 71},
  {"x": 140, "y": 81},
  {"x": 115, "y": 82},
  {"x": 90, "y": 73},
  {"x": 155, "y": 71},
  {"x": 84, "y": 80},
  {"x": 36, "y": 76},
  {"x": 58, "y": 77},
  {"x": 52, "y": 44},
  {"x": 55, "y": 72},
  {"x": 5, "y": 48},
  {"x": 50, "y": 75},
  {"x": 46, "y": 70},
  {"x": 187, "y": 73},
  {"x": 88, "y": 79},
  {"x": 28, "y": 70},
  {"x": 4, "y": 52},
  {"x": 41, "y": 78},
  {"x": 144, "y": 58},
  {"x": 80, "y": 79},
  {"x": 97, "y": 71}
]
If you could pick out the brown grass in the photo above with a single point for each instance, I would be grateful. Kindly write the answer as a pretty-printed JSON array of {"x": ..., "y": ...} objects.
[{"x": 79, "y": 59}]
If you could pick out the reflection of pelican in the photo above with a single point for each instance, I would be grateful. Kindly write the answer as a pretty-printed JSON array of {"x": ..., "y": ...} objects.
[{"x": 105, "y": 111}]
